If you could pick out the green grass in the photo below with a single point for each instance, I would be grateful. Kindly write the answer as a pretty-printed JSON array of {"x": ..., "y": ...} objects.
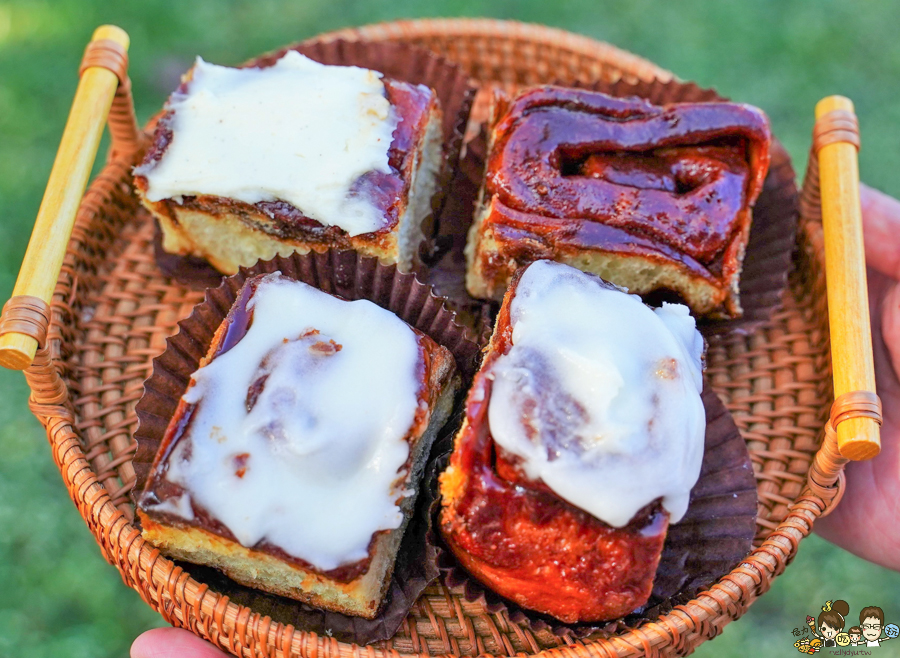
[{"x": 57, "y": 596}]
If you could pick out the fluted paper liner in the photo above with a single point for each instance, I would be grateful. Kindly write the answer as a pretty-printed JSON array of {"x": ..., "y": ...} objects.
[
  {"x": 400, "y": 61},
  {"x": 351, "y": 276},
  {"x": 715, "y": 534},
  {"x": 772, "y": 234}
]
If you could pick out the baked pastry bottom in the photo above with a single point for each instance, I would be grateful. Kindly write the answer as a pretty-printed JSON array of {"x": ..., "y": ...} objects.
[{"x": 502, "y": 239}]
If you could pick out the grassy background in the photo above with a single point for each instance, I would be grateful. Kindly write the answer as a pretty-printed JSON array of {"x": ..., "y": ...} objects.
[{"x": 57, "y": 596}]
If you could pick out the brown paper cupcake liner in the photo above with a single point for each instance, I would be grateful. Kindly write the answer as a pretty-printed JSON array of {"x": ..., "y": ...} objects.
[
  {"x": 772, "y": 235},
  {"x": 399, "y": 61},
  {"x": 351, "y": 276},
  {"x": 715, "y": 534}
]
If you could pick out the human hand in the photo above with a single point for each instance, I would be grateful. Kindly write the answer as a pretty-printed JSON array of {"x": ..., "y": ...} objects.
[
  {"x": 867, "y": 520},
  {"x": 173, "y": 643}
]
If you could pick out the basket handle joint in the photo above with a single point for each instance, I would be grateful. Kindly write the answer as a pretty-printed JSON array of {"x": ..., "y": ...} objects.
[
  {"x": 112, "y": 55},
  {"x": 826, "y": 473},
  {"x": 28, "y": 315}
]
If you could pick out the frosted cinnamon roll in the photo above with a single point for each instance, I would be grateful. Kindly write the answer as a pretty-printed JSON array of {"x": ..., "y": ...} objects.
[
  {"x": 251, "y": 163},
  {"x": 293, "y": 460},
  {"x": 583, "y": 437}
]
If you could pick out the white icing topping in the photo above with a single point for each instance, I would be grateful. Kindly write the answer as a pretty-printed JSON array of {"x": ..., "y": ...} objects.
[
  {"x": 322, "y": 446},
  {"x": 600, "y": 395},
  {"x": 298, "y": 131}
]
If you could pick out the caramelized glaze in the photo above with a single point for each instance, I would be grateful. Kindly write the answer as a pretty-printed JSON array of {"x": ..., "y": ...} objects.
[{"x": 679, "y": 174}]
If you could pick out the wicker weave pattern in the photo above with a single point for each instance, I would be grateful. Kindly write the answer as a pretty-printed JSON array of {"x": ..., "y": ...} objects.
[
  {"x": 511, "y": 52},
  {"x": 112, "y": 312}
]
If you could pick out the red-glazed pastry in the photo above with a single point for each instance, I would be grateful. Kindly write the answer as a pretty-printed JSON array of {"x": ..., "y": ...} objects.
[
  {"x": 648, "y": 197},
  {"x": 583, "y": 436}
]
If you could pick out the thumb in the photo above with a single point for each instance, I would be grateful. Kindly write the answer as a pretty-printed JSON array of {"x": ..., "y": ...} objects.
[
  {"x": 173, "y": 643},
  {"x": 890, "y": 324},
  {"x": 881, "y": 230}
]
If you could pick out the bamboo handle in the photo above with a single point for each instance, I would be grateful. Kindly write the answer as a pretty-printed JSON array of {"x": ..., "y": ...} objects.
[
  {"x": 65, "y": 188},
  {"x": 845, "y": 272}
]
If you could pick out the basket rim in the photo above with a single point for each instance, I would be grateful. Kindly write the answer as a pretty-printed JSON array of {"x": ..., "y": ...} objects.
[
  {"x": 238, "y": 628},
  {"x": 635, "y": 65}
]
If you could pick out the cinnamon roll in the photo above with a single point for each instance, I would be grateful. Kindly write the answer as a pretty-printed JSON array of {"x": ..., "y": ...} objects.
[
  {"x": 250, "y": 163},
  {"x": 650, "y": 198},
  {"x": 294, "y": 457},
  {"x": 582, "y": 439}
]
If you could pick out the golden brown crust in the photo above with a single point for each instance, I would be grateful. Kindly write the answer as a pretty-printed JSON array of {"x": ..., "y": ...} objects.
[{"x": 360, "y": 597}]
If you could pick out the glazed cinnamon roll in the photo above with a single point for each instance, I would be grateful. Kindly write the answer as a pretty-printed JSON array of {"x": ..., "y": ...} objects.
[
  {"x": 583, "y": 437},
  {"x": 250, "y": 163},
  {"x": 650, "y": 198},
  {"x": 294, "y": 456}
]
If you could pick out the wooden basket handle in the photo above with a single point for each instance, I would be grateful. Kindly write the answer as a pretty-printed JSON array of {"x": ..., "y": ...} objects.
[
  {"x": 104, "y": 91},
  {"x": 831, "y": 191}
]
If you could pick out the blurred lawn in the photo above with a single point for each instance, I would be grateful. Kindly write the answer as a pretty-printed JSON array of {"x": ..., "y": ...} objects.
[{"x": 57, "y": 595}]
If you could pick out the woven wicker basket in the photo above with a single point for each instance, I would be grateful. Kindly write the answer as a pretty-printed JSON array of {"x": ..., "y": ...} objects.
[{"x": 112, "y": 311}]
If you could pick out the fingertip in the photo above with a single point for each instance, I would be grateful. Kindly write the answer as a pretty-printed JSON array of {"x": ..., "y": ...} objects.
[
  {"x": 890, "y": 325},
  {"x": 142, "y": 644},
  {"x": 881, "y": 227},
  {"x": 172, "y": 643}
]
